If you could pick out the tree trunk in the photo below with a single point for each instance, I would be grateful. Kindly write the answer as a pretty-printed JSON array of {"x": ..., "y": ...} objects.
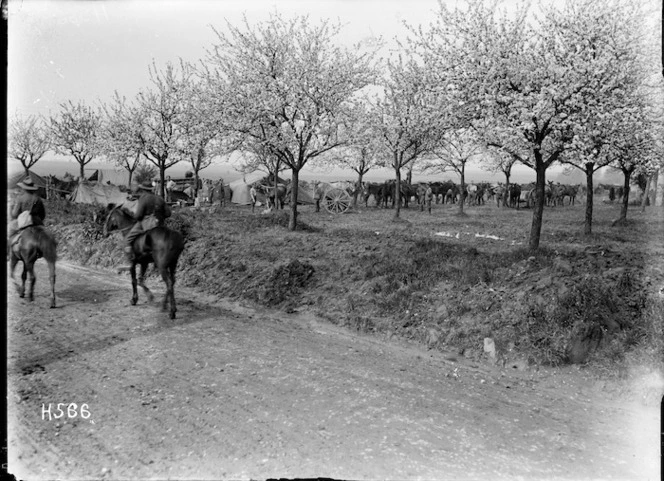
[
  {"x": 358, "y": 186},
  {"x": 195, "y": 183},
  {"x": 81, "y": 177},
  {"x": 162, "y": 177},
  {"x": 587, "y": 229},
  {"x": 397, "y": 194},
  {"x": 462, "y": 187},
  {"x": 646, "y": 193},
  {"x": 655, "y": 180},
  {"x": 131, "y": 175},
  {"x": 276, "y": 184},
  {"x": 623, "y": 210},
  {"x": 292, "y": 223},
  {"x": 506, "y": 195},
  {"x": 538, "y": 212}
]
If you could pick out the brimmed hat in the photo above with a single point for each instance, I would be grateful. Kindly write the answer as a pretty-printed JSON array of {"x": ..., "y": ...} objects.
[{"x": 27, "y": 184}]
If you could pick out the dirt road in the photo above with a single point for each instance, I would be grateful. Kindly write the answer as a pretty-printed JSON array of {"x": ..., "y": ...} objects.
[{"x": 228, "y": 392}]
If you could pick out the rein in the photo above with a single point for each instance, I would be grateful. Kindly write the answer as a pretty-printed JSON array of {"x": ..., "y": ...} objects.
[{"x": 124, "y": 230}]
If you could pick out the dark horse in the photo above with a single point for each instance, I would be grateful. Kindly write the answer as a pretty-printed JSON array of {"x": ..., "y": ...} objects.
[
  {"x": 161, "y": 246},
  {"x": 35, "y": 242}
]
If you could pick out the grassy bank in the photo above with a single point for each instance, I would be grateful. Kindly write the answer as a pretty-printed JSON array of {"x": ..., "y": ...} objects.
[{"x": 443, "y": 280}]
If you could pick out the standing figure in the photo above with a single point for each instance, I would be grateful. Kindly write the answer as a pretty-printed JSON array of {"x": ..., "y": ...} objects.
[
  {"x": 253, "y": 193},
  {"x": 170, "y": 185},
  {"x": 26, "y": 210}
]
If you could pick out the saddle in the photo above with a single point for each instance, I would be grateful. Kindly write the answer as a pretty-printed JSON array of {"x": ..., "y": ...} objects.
[
  {"x": 15, "y": 240},
  {"x": 23, "y": 221},
  {"x": 14, "y": 243}
]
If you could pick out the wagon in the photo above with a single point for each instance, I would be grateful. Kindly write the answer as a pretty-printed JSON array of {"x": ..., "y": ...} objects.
[{"x": 336, "y": 200}]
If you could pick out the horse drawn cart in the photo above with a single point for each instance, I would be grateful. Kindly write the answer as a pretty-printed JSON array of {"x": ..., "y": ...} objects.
[{"x": 335, "y": 199}]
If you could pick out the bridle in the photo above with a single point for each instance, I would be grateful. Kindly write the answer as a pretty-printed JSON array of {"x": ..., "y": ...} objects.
[{"x": 108, "y": 218}]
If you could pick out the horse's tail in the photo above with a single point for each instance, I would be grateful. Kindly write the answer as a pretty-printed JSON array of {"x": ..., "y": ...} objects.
[{"x": 47, "y": 245}]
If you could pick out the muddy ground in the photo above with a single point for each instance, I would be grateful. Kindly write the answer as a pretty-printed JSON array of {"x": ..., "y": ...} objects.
[{"x": 234, "y": 390}]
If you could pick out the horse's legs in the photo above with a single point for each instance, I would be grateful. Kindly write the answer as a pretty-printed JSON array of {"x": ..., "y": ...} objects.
[
  {"x": 169, "y": 298},
  {"x": 134, "y": 290},
  {"x": 141, "y": 282},
  {"x": 24, "y": 276},
  {"x": 30, "y": 267},
  {"x": 13, "y": 260},
  {"x": 171, "y": 271},
  {"x": 51, "y": 277}
]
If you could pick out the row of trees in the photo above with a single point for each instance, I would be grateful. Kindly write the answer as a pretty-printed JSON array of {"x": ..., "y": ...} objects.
[{"x": 572, "y": 86}]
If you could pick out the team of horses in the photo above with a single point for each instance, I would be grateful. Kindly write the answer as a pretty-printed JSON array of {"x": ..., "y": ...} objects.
[{"x": 474, "y": 194}]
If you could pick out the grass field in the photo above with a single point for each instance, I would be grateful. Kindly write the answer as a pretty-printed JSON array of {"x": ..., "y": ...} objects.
[{"x": 444, "y": 280}]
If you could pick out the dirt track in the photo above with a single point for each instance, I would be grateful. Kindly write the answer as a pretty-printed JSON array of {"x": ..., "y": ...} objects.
[{"x": 227, "y": 392}]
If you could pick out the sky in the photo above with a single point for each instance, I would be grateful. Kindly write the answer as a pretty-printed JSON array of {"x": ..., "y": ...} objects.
[
  {"x": 62, "y": 50},
  {"x": 86, "y": 50}
]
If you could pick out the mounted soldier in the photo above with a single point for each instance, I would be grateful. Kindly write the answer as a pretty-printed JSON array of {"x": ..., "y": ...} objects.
[
  {"x": 26, "y": 210},
  {"x": 150, "y": 211}
]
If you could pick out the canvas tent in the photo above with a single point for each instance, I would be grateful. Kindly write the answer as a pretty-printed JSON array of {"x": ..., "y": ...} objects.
[
  {"x": 240, "y": 188},
  {"x": 96, "y": 193},
  {"x": 112, "y": 176}
]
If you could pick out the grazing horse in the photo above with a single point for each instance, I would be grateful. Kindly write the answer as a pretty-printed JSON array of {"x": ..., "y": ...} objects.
[
  {"x": 408, "y": 191},
  {"x": 438, "y": 190},
  {"x": 388, "y": 190},
  {"x": 514, "y": 195},
  {"x": 571, "y": 192},
  {"x": 34, "y": 242},
  {"x": 375, "y": 189},
  {"x": 450, "y": 192},
  {"x": 277, "y": 200},
  {"x": 161, "y": 246}
]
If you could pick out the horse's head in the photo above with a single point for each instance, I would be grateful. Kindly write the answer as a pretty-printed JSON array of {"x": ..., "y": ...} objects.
[
  {"x": 117, "y": 219},
  {"x": 111, "y": 223}
]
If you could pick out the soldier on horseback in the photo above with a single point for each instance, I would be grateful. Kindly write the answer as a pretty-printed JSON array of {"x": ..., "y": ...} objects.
[
  {"x": 29, "y": 240},
  {"x": 27, "y": 209},
  {"x": 151, "y": 211}
]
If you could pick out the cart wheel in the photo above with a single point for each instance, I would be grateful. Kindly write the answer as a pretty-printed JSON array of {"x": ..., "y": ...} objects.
[{"x": 337, "y": 201}]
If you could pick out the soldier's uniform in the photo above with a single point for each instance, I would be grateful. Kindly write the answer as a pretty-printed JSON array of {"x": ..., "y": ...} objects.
[
  {"x": 151, "y": 211},
  {"x": 28, "y": 206}
]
